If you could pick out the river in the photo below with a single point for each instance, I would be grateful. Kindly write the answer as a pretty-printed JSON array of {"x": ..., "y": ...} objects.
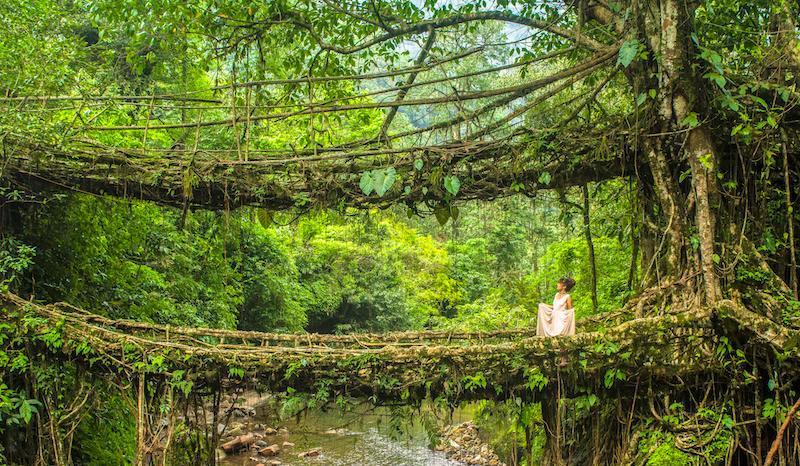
[{"x": 363, "y": 438}]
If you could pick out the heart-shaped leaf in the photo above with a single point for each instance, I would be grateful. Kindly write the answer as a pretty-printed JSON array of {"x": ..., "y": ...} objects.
[
  {"x": 366, "y": 184},
  {"x": 418, "y": 164},
  {"x": 454, "y": 212},
  {"x": 442, "y": 213},
  {"x": 452, "y": 184},
  {"x": 383, "y": 180},
  {"x": 628, "y": 52}
]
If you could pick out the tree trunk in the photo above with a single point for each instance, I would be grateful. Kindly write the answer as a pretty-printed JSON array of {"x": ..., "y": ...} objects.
[
  {"x": 634, "y": 260},
  {"x": 587, "y": 232},
  {"x": 789, "y": 220},
  {"x": 703, "y": 166},
  {"x": 667, "y": 192},
  {"x": 551, "y": 456},
  {"x": 647, "y": 241},
  {"x": 677, "y": 135}
]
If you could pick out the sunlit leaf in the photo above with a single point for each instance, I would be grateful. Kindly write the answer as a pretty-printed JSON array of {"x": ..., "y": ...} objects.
[
  {"x": 452, "y": 184},
  {"x": 366, "y": 183}
]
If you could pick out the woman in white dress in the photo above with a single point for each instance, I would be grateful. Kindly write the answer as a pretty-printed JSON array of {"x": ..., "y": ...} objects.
[{"x": 558, "y": 320}]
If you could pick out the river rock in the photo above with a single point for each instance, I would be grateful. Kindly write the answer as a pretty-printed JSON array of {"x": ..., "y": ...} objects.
[
  {"x": 239, "y": 443},
  {"x": 243, "y": 411},
  {"x": 288, "y": 444},
  {"x": 314, "y": 452},
  {"x": 235, "y": 429},
  {"x": 270, "y": 431},
  {"x": 261, "y": 444},
  {"x": 271, "y": 450}
]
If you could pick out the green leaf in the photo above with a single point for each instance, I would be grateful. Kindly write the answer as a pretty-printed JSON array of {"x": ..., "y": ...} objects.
[
  {"x": 264, "y": 217},
  {"x": 731, "y": 103},
  {"x": 690, "y": 120},
  {"x": 608, "y": 379},
  {"x": 26, "y": 411},
  {"x": 727, "y": 421},
  {"x": 771, "y": 121},
  {"x": 452, "y": 184},
  {"x": 544, "y": 178},
  {"x": 442, "y": 213},
  {"x": 378, "y": 176},
  {"x": 717, "y": 78},
  {"x": 641, "y": 98},
  {"x": 366, "y": 183},
  {"x": 707, "y": 161},
  {"x": 418, "y": 164},
  {"x": 628, "y": 52},
  {"x": 383, "y": 180}
]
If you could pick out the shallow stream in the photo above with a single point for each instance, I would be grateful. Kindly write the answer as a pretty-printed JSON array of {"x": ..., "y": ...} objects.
[{"x": 366, "y": 438}]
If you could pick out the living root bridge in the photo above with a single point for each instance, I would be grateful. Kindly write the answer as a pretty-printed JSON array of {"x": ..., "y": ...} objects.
[
  {"x": 216, "y": 180},
  {"x": 395, "y": 367}
]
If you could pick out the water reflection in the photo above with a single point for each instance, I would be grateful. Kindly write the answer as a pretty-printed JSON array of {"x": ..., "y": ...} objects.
[{"x": 363, "y": 438}]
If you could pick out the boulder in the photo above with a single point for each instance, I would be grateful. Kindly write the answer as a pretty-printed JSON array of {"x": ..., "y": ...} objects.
[{"x": 463, "y": 443}]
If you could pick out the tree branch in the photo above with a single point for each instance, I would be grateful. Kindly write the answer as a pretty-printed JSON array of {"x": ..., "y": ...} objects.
[{"x": 439, "y": 23}]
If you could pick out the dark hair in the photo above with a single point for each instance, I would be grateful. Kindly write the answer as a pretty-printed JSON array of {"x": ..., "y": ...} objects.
[{"x": 568, "y": 282}]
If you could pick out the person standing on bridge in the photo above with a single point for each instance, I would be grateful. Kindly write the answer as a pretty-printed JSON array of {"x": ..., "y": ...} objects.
[{"x": 559, "y": 319}]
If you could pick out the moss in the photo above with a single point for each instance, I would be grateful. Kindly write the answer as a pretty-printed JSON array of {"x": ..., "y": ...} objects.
[
  {"x": 717, "y": 450},
  {"x": 667, "y": 455}
]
